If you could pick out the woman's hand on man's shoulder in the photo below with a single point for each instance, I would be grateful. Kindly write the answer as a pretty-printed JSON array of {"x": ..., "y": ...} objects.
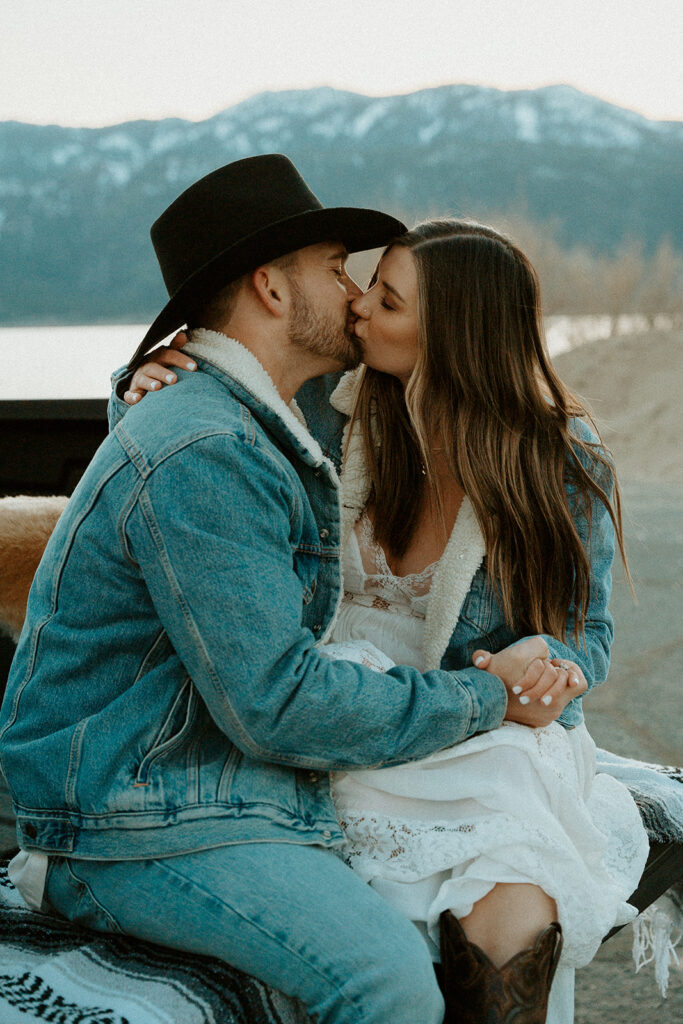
[{"x": 155, "y": 373}]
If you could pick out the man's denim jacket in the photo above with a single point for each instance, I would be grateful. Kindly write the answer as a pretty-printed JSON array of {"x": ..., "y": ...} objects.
[{"x": 168, "y": 693}]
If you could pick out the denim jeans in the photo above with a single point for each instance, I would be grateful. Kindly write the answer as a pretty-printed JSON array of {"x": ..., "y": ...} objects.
[{"x": 294, "y": 916}]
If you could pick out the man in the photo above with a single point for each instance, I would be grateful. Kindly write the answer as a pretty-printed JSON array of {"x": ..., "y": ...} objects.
[{"x": 169, "y": 719}]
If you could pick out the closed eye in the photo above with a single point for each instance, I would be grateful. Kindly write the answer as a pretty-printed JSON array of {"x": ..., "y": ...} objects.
[{"x": 385, "y": 305}]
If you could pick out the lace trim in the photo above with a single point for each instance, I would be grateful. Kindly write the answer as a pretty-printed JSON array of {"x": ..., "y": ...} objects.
[
  {"x": 407, "y": 851},
  {"x": 376, "y": 567}
]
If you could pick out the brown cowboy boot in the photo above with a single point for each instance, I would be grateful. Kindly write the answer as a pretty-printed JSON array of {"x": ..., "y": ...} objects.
[{"x": 476, "y": 992}]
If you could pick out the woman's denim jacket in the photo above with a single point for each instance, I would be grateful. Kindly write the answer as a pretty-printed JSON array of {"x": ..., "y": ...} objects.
[
  {"x": 168, "y": 693},
  {"x": 481, "y": 623}
]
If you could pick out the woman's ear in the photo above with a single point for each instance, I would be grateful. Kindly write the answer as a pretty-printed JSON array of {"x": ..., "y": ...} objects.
[{"x": 269, "y": 283}]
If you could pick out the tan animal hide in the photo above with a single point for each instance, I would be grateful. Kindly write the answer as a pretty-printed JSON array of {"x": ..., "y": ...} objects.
[{"x": 25, "y": 527}]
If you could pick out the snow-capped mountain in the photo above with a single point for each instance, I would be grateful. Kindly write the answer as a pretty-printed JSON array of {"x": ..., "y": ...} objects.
[{"x": 76, "y": 204}]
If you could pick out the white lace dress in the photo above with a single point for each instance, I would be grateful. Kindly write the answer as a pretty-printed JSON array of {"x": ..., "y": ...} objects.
[{"x": 511, "y": 805}]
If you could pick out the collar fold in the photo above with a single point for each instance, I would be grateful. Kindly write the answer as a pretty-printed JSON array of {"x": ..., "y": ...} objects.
[{"x": 234, "y": 359}]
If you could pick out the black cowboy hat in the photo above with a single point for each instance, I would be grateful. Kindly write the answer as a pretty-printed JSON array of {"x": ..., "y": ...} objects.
[{"x": 237, "y": 218}]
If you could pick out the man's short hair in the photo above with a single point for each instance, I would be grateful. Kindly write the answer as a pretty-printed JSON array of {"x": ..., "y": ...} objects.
[{"x": 215, "y": 312}]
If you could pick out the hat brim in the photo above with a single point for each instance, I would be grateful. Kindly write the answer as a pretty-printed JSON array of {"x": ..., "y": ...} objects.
[{"x": 356, "y": 228}]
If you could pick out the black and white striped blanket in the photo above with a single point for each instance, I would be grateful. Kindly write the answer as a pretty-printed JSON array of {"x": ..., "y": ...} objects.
[{"x": 52, "y": 971}]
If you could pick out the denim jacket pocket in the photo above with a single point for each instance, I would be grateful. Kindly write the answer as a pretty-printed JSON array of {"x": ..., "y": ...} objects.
[{"x": 176, "y": 727}]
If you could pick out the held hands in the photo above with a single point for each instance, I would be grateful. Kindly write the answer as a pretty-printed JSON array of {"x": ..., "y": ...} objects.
[
  {"x": 539, "y": 687},
  {"x": 152, "y": 376}
]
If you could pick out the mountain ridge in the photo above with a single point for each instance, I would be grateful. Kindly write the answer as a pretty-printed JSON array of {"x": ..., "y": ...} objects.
[{"x": 76, "y": 203}]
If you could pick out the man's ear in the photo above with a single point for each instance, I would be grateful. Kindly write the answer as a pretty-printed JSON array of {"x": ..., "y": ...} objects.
[{"x": 270, "y": 286}]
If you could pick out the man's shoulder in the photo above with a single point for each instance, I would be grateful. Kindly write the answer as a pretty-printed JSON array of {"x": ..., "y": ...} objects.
[{"x": 198, "y": 406}]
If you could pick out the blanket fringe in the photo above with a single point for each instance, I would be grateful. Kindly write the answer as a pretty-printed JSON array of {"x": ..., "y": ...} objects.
[{"x": 656, "y": 934}]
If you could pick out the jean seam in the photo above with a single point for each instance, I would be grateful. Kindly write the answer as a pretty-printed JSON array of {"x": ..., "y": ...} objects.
[
  {"x": 81, "y": 882},
  {"x": 338, "y": 986}
]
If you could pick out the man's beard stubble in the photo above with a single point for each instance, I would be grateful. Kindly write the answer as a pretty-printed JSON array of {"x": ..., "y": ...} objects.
[{"x": 321, "y": 334}]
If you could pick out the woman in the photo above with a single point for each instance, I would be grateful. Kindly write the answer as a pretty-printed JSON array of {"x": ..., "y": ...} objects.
[{"x": 477, "y": 511}]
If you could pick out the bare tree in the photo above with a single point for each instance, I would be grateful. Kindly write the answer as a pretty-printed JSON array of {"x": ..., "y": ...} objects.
[
  {"x": 577, "y": 280},
  {"x": 661, "y": 287}
]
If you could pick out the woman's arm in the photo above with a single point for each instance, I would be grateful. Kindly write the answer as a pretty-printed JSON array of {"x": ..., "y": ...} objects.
[
  {"x": 596, "y": 530},
  {"x": 588, "y": 658}
]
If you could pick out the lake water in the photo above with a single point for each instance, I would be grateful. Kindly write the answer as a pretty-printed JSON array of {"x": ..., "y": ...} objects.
[
  {"x": 64, "y": 362},
  {"x": 76, "y": 362}
]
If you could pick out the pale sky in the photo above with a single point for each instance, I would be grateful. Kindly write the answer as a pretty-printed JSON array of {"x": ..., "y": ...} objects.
[{"x": 98, "y": 62}]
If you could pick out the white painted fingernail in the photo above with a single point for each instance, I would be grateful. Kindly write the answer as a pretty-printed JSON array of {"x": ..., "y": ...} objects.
[
  {"x": 574, "y": 680},
  {"x": 547, "y": 699},
  {"x": 478, "y": 661},
  {"x": 524, "y": 700},
  {"x": 516, "y": 689},
  {"x": 191, "y": 366},
  {"x": 169, "y": 378}
]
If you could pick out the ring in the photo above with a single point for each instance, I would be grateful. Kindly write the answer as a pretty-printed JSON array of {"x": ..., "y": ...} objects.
[{"x": 564, "y": 665}]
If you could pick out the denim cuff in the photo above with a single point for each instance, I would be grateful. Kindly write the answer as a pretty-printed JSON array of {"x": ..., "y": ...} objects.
[
  {"x": 572, "y": 714},
  {"x": 117, "y": 408},
  {"x": 120, "y": 379},
  {"x": 488, "y": 697},
  {"x": 556, "y": 649}
]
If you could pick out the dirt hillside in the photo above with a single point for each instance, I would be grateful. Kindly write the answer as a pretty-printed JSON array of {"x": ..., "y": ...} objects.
[{"x": 633, "y": 386}]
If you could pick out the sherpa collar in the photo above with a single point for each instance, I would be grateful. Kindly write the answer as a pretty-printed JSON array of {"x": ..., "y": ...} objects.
[
  {"x": 464, "y": 551},
  {"x": 233, "y": 358},
  {"x": 354, "y": 472}
]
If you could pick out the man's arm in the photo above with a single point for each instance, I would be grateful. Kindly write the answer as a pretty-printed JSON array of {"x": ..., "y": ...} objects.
[{"x": 218, "y": 562}]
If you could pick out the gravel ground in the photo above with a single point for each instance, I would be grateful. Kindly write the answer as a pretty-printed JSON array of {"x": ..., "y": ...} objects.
[
  {"x": 609, "y": 992},
  {"x": 631, "y": 385}
]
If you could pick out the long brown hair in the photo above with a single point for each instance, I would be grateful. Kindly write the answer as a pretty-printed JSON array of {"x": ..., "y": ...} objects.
[{"x": 485, "y": 392}]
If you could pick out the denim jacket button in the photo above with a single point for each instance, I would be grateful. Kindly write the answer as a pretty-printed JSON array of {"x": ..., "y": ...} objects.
[
  {"x": 317, "y": 628},
  {"x": 327, "y": 834},
  {"x": 313, "y": 776},
  {"x": 324, "y": 534}
]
